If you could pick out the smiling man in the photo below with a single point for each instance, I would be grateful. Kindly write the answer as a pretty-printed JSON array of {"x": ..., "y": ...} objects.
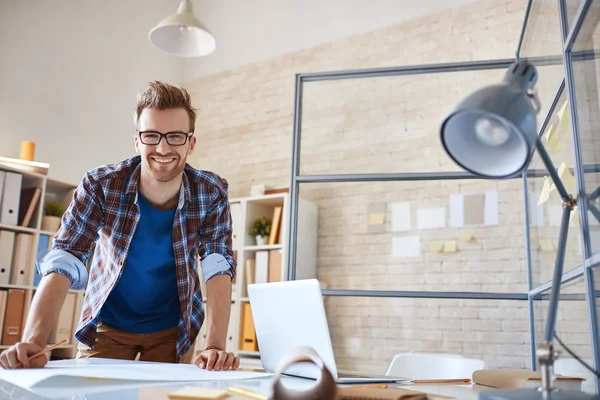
[{"x": 146, "y": 220}]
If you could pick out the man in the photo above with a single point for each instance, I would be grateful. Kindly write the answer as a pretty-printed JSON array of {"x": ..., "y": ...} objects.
[{"x": 147, "y": 219}]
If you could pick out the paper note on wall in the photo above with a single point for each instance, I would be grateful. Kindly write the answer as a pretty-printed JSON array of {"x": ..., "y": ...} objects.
[
  {"x": 566, "y": 177},
  {"x": 406, "y": 246},
  {"x": 474, "y": 205},
  {"x": 491, "y": 208},
  {"x": 553, "y": 142},
  {"x": 436, "y": 247},
  {"x": 547, "y": 246},
  {"x": 563, "y": 120},
  {"x": 400, "y": 216},
  {"x": 431, "y": 218},
  {"x": 376, "y": 213},
  {"x": 547, "y": 190},
  {"x": 536, "y": 213},
  {"x": 466, "y": 237},
  {"x": 450, "y": 246},
  {"x": 457, "y": 210}
]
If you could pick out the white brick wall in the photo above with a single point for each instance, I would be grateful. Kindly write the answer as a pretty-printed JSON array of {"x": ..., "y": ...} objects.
[{"x": 244, "y": 132}]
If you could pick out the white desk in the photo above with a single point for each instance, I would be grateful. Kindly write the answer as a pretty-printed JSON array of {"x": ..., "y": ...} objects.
[{"x": 78, "y": 388}]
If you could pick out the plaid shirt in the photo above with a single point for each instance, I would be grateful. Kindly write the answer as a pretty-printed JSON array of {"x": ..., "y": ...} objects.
[{"x": 104, "y": 212}]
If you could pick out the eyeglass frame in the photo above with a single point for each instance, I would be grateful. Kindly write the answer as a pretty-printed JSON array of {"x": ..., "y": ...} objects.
[{"x": 188, "y": 136}]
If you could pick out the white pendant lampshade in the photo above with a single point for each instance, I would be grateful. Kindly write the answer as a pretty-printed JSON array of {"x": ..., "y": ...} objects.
[{"x": 182, "y": 34}]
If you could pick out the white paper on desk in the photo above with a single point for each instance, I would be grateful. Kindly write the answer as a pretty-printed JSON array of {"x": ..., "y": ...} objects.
[
  {"x": 431, "y": 218},
  {"x": 141, "y": 371},
  {"x": 406, "y": 246}
]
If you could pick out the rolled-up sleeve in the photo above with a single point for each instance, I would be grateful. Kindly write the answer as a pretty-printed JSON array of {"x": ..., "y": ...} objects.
[
  {"x": 215, "y": 250},
  {"x": 61, "y": 262},
  {"x": 74, "y": 240}
]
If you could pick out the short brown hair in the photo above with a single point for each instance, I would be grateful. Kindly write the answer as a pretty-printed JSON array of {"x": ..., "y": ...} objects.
[{"x": 163, "y": 96}]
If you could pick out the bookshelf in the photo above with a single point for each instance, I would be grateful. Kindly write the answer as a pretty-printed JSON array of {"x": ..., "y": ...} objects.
[
  {"x": 48, "y": 190},
  {"x": 244, "y": 211}
]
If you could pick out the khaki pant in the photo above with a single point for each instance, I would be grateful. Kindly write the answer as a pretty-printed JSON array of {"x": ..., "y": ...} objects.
[{"x": 113, "y": 343}]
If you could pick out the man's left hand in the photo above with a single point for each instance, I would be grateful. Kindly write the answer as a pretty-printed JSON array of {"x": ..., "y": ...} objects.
[{"x": 217, "y": 360}]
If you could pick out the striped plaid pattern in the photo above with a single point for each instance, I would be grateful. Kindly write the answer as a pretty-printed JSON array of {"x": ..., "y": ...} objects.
[{"x": 104, "y": 212}]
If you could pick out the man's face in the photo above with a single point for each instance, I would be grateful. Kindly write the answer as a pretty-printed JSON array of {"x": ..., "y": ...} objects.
[{"x": 164, "y": 161}]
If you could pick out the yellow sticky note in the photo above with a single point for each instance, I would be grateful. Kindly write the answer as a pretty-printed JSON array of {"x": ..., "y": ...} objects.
[
  {"x": 450, "y": 246},
  {"x": 194, "y": 393},
  {"x": 563, "y": 119},
  {"x": 438, "y": 247},
  {"x": 376, "y": 219},
  {"x": 547, "y": 246},
  {"x": 466, "y": 237},
  {"x": 553, "y": 142},
  {"x": 567, "y": 178},
  {"x": 547, "y": 190}
]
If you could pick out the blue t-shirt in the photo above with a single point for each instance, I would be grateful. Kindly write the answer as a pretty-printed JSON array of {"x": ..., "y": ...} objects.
[{"x": 145, "y": 299}]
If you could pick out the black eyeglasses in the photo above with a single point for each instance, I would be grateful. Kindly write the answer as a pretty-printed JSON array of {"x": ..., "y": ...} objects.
[{"x": 153, "y": 138}]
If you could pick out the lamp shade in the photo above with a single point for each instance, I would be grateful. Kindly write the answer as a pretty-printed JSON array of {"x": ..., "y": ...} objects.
[
  {"x": 492, "y": 133},
  {"x": 182, "y": 34}
]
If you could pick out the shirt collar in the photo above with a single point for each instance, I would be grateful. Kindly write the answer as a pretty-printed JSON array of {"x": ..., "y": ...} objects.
[{"x": 134, "y": 183}]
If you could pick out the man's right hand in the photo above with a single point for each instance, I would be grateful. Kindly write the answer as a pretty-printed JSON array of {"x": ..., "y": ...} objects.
[{"x": 17, "y": 356}]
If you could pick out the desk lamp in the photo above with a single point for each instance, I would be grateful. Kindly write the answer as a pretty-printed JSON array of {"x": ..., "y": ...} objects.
[{"x": 492, "y": 133}]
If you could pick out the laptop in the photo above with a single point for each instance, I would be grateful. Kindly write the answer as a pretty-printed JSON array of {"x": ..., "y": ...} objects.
[{"x": 290, "y": 314}]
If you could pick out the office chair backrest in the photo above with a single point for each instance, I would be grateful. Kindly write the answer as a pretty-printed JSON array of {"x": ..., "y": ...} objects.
[{"x": 433, "y": 366}]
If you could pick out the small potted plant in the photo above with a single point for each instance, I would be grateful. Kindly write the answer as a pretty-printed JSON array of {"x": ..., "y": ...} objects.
[
  {"x": 261, "y": 230},
  {"x": 53, "y": 212}
]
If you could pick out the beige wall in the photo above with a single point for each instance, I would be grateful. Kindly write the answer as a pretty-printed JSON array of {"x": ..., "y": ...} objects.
[{"x": 391, "y": 125}]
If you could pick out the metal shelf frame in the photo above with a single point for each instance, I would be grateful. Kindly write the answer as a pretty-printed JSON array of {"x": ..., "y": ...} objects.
[{"x": 569, "y": 33}]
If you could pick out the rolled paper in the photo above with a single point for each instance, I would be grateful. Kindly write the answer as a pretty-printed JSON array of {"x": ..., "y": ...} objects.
[{"x": 27, "y": 150}]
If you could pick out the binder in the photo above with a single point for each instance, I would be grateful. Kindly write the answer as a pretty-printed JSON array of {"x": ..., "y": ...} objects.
[
  {"x": 63, "y": 329},
  {"x": 29, "y": 201},
  {"x": 13, "y": 318},
  {"x": 9, "y": 209},
  {"x": 7, "y": 244},
  {"x": 43, "y": 243},
  {"x": 3, "y": 295},
  {"x": 261, "y": 274},
  {"x": 234, "y": 210},
  {"x": 248, "y": 332},
  {"x": 275, "y": 265},
  {"x": 2, "y": 177},
  {"x": 21, "y": 258}
]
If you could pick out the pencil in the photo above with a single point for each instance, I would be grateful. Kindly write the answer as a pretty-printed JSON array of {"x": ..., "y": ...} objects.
[
  {"x": 247, "y": 393},
  {"x": 369, "y": 387},
  {"x": 47, "y": 349}
]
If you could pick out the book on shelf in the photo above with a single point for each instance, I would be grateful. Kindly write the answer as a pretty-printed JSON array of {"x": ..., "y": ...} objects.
[
  {"x": 275, "y": 223},
  {"x": 275, "y": 265},
  {"x": 29, "y": 201},
  {"x": 261, "y": 272}
]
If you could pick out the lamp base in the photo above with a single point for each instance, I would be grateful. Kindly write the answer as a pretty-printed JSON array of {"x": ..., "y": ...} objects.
[{"x": 534, "y": 394}]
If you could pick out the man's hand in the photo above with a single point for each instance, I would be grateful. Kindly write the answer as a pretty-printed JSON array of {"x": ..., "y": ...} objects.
[
  {"x": 17, "y": 356},
  {"x": 217, "y": 360}
]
